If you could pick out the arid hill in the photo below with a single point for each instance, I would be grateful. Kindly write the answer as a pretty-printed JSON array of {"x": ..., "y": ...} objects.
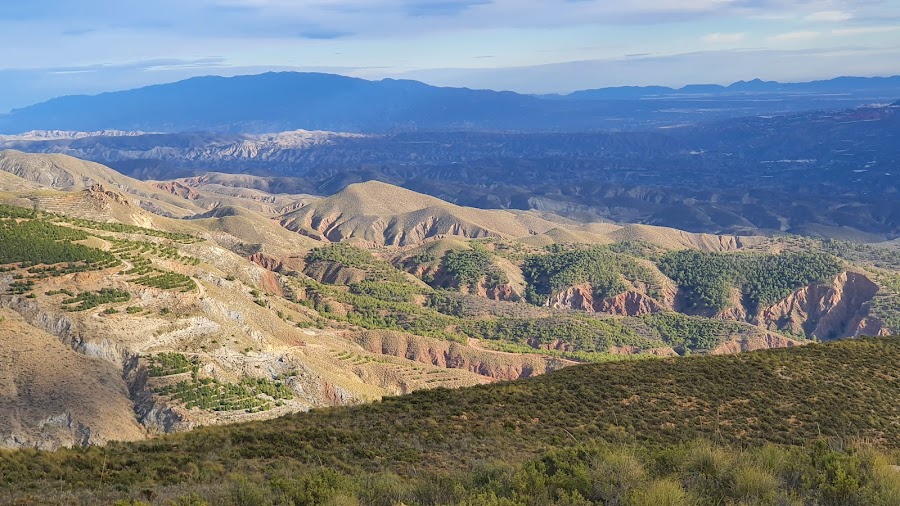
[{"x": 163, "y": 306}]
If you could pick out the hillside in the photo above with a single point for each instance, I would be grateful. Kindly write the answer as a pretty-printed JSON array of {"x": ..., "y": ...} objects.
[
  {"x": 575, "y": 423},
  {"x": 229, "y": 314},
  {"x": 380, "y": 214},
  {"x": 68, "y": 174}
]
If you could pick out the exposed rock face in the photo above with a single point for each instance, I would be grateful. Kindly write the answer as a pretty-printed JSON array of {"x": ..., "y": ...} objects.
[
  {"x": 154, "y": 414},
  {"x": 582, "y": 298},
  {"x": 629, "y": 304},
  {"x": 492, "y": 365},
  {"x": 104, "y": 195},
  {"x": 831, "y": 311},
  {"x": 52, "y": 395},
  {"x": 267, "y": 262},
  {"x": 764, "y": 341},
  {"x": 504, "y": 292},
  {"x": 179, "y": 189}
]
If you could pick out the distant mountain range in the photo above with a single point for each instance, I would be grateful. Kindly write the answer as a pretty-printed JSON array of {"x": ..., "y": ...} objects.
[
  {"x": 836, "y": 85},
  {"x": 286, "y": 101}
]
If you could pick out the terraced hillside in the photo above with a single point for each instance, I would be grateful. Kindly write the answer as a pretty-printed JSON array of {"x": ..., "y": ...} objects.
[{"x": 621, "y": 433}]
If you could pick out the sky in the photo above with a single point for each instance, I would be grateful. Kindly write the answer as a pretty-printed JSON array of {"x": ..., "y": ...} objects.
[{"x": 61, "y": 47}]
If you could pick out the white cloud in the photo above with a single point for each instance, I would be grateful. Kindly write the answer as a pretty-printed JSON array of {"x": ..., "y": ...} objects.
[
  {"x": 724, "y": 38},
  {"x": 828, "y": 16},
  {"x": 863, "y": 30},
  {"x": 794, "y": 36}
]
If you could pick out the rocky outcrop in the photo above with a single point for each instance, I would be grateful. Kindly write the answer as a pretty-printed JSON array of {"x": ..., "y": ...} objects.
[
  {"x": 762, "y": 341},
  {"x": 178, "y": 189},
  {"x": 505, "y": 292},
  {"x": 629, "y": 304},
  {"x": 579, "y": 298},
  {"x": 105, "y": 196},
  {"x": 826, "y": 311},
  {"x": 493, "y": 365},
  {"x": 582, "y": 298},
  {"x": 152, "y": 412},
  {"x": 66, "y": 329},
  {"x": 267, "y": 262}
]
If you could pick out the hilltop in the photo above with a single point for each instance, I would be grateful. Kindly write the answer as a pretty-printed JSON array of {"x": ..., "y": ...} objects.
[
  {"x": 381, "y": 214},
  {"x": 547, "y": 435}
]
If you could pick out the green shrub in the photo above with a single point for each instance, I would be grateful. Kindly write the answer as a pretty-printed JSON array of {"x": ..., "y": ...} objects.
[
  {"x": 90, "y": 300},
  {"x": 753, "y": 485},
  {"x": 665, "y": 492}
]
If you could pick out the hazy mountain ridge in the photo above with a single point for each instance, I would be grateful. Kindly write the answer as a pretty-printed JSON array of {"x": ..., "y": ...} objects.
[
  {"x": 755, "y": 86},
  {"x": 288, "y": 101}
]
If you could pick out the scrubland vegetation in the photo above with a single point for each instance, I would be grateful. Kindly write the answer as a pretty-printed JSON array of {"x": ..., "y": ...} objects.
[
  {"x": 808, "y": 425},
  {"x": 89, "y": 300}
]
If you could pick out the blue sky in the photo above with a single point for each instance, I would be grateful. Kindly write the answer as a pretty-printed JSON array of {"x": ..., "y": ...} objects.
[{"x": 57, "y": 47}]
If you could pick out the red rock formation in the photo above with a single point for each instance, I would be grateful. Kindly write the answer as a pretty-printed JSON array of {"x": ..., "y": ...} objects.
[
  {"x": 179, "y": 189},
  {"x": 581, "y": 298},
  {"x": 578, "y": 297},
  {"x": 500, "y": 292},
  {"x": 104, "y": 195},
  {"x": 826, "y": 311},
  {"x": 267, "y": 262},
  {"x": 629, "y": 304}
]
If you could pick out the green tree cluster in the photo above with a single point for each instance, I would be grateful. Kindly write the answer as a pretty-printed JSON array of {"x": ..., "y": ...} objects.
[
  {"x": 34, "y": 242},
  {"x": 598, "y": 265},
  {"x": 89, "y": 300},
  {"x": 708, "y": 278},
  {"x": 469, "y": 268}
]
